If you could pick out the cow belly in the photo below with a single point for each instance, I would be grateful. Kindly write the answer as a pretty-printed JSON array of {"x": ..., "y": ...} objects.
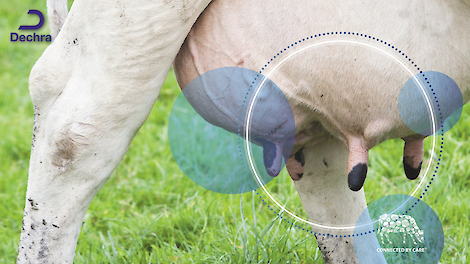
[{"x": 350, "y": 90}]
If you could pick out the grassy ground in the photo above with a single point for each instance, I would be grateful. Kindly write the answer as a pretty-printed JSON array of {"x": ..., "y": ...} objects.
[{"x": 149, "y": 212}]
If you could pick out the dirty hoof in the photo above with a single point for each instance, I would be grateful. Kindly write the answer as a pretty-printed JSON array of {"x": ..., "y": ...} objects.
[{"x": 357, "y": 176}]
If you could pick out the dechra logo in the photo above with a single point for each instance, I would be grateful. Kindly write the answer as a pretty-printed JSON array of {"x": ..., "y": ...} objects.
[{"x": 28, "y": 37}]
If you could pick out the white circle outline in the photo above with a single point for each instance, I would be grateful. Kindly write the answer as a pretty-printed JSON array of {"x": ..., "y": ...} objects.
[{"x": 249, "y": 115}]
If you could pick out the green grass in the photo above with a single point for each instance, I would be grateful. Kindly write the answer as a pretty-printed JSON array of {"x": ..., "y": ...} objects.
[{"x": 149, "y": 212}]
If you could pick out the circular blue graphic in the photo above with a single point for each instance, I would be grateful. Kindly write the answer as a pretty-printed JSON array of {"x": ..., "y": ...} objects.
[
  {"x": 205, "y": 129},
  {"x": 413, "y": 102},
  {"x": 388, "y": 232},
  {"x": 278, "y": 56}
]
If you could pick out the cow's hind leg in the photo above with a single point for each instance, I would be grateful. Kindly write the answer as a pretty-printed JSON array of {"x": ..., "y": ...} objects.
[
  {"x": 92, "y": 90},
  {"x": 329, "y": 202}
]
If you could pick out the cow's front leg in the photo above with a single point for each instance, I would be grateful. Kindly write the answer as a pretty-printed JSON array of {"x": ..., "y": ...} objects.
[
  {"x": 92, "y": 90},
  {"x": 329, "y": 202}
]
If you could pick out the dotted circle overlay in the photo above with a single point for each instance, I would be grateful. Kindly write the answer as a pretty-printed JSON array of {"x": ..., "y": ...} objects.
[{"x": 286, "y": 49}]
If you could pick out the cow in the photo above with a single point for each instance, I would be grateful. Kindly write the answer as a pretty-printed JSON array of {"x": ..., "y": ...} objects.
[
  {"x": 399, "y": 224},
  {"x": 94, "y": 86}
]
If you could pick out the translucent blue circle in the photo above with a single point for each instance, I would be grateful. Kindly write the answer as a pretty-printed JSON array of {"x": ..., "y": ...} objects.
[
  {"x": 441, "y": 92},
  {"x": 207, "y": 125},
  {"x": 398, "y": 229}
]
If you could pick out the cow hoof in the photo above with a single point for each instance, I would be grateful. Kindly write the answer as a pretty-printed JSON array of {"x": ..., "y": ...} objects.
[
  {"x": 357, "y": 176},
  {"x": 410, "y": 172}
]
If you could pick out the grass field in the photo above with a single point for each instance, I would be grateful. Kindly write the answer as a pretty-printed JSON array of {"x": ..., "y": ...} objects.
[{"x": 149, "y": 212}]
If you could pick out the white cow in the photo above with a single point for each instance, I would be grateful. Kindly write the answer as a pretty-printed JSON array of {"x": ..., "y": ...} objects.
[
  {"x": 94, "y": 86},
  {"x": 399, "y": 224}
]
